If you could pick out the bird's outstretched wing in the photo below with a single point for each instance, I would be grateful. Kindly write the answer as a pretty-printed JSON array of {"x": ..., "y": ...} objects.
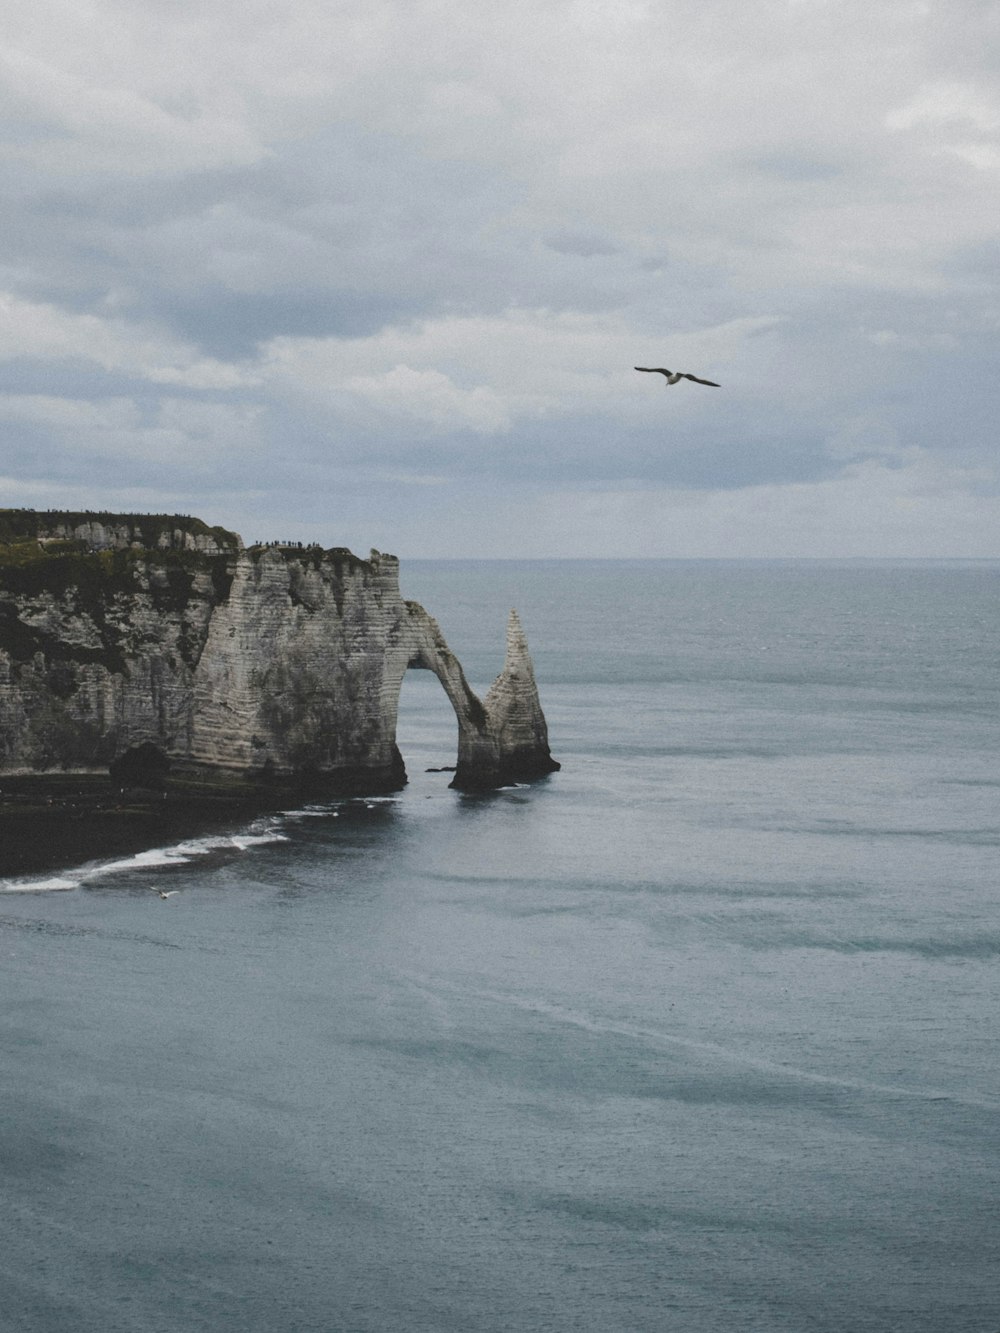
[{"x": 674, "y": 375}]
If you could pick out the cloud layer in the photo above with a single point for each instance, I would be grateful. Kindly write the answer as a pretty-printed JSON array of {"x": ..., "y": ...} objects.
[{"x": 379, "y": 273}]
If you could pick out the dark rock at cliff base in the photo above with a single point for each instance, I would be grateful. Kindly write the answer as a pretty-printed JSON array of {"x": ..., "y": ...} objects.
[
  {"x": 59, "y": 823},
  {"x": 144, "y": 766}
]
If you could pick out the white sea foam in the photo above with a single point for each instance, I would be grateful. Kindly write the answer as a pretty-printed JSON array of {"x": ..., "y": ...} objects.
[
  {"x": 246, "y": 840},
  {"x": 183, "y": 852},
  {"x": 151, "y": 860},
  {"x": 200, "y": 846},
  {"x": 259, "y": 834},
  {"x": 38, "y": 885},
  {"x": 332, "y": 811}
]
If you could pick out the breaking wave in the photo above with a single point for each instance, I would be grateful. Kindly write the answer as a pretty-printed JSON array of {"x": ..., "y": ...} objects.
[{"x": 260, "y": 833}]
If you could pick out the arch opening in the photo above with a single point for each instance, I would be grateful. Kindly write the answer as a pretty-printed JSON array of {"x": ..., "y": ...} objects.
[{"x": 426, "y": 724}]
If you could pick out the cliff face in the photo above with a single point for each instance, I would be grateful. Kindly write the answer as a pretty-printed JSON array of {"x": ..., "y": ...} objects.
[{"x": 125, "y": 640}]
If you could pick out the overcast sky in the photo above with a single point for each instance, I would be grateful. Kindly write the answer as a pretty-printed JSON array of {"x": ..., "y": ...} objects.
[{"x": 377, "y": 272}]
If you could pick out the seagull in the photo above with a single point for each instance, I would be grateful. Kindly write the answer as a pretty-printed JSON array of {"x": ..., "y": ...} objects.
[
  {"x": 673, "y": 376},
  {"x": 169, "y": 894}
]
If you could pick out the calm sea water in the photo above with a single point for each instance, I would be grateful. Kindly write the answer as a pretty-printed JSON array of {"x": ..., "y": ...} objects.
[{"x": 697, "y": 1035}]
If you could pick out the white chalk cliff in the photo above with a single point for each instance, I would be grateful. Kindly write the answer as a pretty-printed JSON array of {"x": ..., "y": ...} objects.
[{"x": 124, "y": 635}]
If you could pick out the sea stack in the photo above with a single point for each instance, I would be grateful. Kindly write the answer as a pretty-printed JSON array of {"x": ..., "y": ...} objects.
[{"x": 515, "y": 722}]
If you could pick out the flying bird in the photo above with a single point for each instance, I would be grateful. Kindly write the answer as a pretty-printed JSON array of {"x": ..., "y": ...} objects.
[
  {"x": 673, "y": 376},
  {"x": 169, "y": 894}
]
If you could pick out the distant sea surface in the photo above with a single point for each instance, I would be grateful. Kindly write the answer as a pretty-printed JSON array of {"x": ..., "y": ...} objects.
[{"x": 698, "y": 1035}]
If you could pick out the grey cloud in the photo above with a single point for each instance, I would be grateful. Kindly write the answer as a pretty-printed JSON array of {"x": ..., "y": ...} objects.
[
  {"x": 980, "y": 261},
  {"x": 582, "y": 243},
  {"x": 350, "y": 231},
  {"x": 701, "y": 459},
  {"x": 791, "y": 166},
  {"x": 592, "y": 450},
  {"x": 736, "y": 163},
  {"x": 68, "y": 378},
  {"x": 232, "y": 324}
]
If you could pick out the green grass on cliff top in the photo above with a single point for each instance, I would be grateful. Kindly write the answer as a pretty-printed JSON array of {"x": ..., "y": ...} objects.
[{"x": 20, "y": 525}]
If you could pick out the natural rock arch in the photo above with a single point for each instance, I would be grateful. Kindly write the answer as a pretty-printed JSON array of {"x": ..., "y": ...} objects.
[{"x": 503, "y": 738}]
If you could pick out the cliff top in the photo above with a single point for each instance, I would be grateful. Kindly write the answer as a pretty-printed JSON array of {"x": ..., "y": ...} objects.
[
  {"x": 39, "y": 539},
  {"x": 99, "y": 530}
]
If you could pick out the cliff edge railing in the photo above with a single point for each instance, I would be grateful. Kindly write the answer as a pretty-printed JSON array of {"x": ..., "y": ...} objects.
[{"x": 167, "y": 652}]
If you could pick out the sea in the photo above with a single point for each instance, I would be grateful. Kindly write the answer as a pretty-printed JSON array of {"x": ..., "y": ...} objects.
[{"x": 696, "y": 1035}]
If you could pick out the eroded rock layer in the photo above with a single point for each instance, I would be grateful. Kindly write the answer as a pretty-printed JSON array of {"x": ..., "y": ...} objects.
[{"x": 130, "y": 640}]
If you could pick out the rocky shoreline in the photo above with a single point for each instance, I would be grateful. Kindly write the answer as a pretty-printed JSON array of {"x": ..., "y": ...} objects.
[
  {"x": 56, "y": 823},
  {"x": 52, "y": 822},
  {"x": 160, "y": 680}
]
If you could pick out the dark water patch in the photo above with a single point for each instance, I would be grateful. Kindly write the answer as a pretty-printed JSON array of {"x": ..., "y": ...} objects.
[
  {"x": 546, "y": 910},
  {"x": 752, "y": 1090},
  {"x": 973, "y": 837},
  {"x": 748, "y": 890},
  {"x": 29, "y": 1153},
  {"x": 513, "y": 881},
  {"x": 979, "y": 949},
  {"x": 625, "y": 1214},
  {"x": 973, "y": 707},
  {"x": 582, "y": 1065},
  {"x": 581, "y": 889},
  {"x": 971, "y": 950},
  {"x": 33, "y": 1300},
  {"x": 42, "y": 926},
  {"x": 441, "y": 1051},
  {"x": 640, "y": 750},
  {"x": 620, "y": 1214}
]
